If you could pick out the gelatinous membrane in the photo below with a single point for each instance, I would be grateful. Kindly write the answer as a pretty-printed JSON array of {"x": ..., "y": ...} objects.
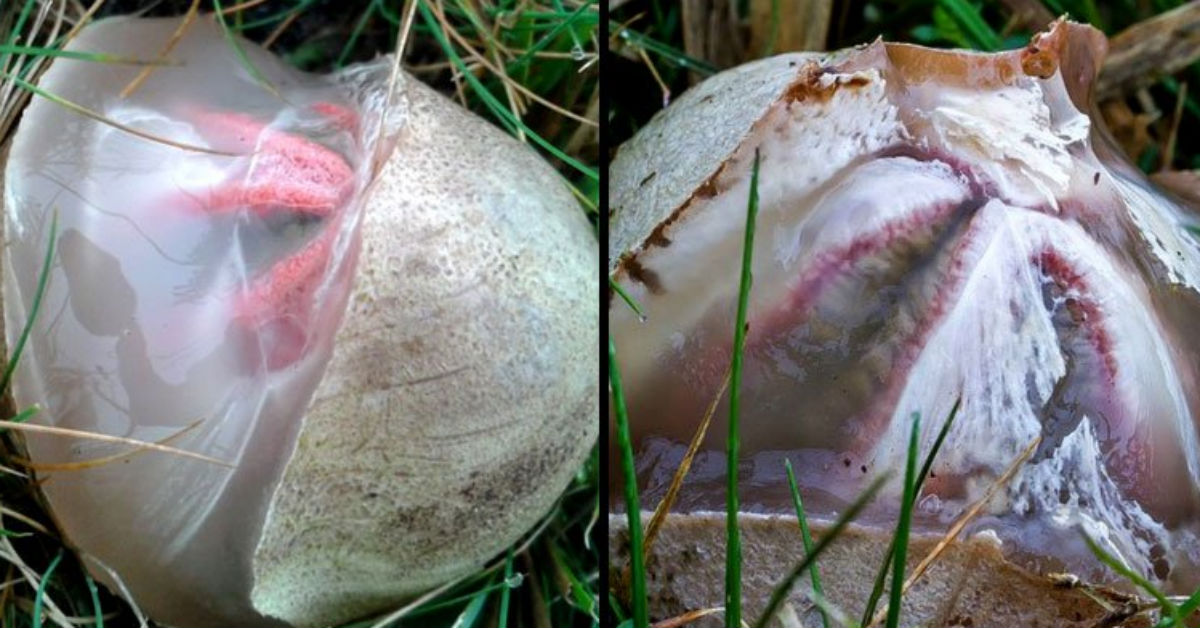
[
  {"x": 193, "y": 298},
  {"x": 959, "y": 238}
]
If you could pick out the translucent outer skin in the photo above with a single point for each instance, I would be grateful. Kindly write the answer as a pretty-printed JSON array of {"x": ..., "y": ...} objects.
[
  {"x": 453, "y": 405},
  {"x": 849, "y": 142}
]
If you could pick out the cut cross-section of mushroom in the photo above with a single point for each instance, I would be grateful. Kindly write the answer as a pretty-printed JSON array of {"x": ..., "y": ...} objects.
[{"x": 933, "y": 226}]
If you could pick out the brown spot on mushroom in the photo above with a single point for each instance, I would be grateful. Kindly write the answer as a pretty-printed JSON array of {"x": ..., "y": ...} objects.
[
  {"x": 808, "y": 86},
  {"x": 1038, "y": 61},
  {"x": 658, "y": 238},
  {"x": 642, "y": 275}
]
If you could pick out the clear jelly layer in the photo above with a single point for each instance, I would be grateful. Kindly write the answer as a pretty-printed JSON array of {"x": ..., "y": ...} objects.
[{"x": 199, "y": 277}]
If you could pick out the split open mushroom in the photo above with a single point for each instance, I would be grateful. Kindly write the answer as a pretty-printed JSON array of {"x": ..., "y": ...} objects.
[{"x": 933, "y": 226}]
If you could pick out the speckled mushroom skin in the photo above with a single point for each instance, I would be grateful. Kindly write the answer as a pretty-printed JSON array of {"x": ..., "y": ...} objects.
[
  {"x": 462, "y": 392},
  {"x": 970, "y": 586}
]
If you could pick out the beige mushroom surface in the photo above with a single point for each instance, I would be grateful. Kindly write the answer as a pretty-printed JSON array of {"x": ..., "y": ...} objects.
[{"x": 388, "y": 338}]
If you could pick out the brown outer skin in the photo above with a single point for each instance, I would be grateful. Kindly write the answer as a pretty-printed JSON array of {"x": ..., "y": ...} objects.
[
  {"x": 971, "y": 585},
  {"x": 462, "y": 394}
]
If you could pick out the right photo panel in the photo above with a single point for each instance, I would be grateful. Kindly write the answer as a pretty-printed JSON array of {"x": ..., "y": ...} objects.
[{"x": 904, "y": 313}]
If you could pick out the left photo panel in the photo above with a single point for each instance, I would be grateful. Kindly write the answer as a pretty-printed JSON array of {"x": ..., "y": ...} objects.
[{"x": 300, "y": 313}]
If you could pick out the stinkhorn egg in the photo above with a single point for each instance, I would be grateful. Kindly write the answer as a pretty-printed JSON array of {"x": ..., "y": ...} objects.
[
  {"x": 378, "y": 312},
  {"x": 933, "y": 227}
]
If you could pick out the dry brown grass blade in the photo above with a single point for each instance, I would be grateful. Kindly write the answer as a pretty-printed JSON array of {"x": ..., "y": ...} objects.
[
  {"x": 25, "y": 519},
  {"x": 84, "y": 111},
  {"x": 99, "y": 462},
  {"x": 500, "y": 73},
  {"x": 688, "y": 617},
  {"x": 957, "y": 527},
  {"x": 1140, "y": 54},
  {"x": 283, "y": 26},
  {"x": 668, "y": 500},
  {"x": 788, "y": 25},
  {"x": 188, "y": 19},
  {"x": 1168, "y": 154},
  {"x": 685, "y": 465},
  {"x": 662, "y": 86},
  {"x": 105, "y": 438},
  {"x": 241, "y": 6},
  {"x": 393, "y": 78}
]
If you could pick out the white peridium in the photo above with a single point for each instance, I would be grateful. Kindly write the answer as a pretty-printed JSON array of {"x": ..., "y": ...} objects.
[
  {"x": 954, "y": 155},
  {"x": 424, "y": 374}
]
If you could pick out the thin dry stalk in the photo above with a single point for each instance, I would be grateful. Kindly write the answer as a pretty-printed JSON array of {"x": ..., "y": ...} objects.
[
  {"x": 99, "y": 462},
  {"x": 688, "y": 617},
  {"x": 105, "y": 438},
  {"x": 393, "y": 78},
  {"x": 188, "y": 19},
  {"x": 283, "y": 26}
]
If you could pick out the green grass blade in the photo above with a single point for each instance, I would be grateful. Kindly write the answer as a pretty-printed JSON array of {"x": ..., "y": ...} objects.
[
  {"x": 674, "y": 55},
  {"x": 781, "y": 591},
  {"x": 733, "y": 542},
  {"x": 35, "y": 306},
  {"x": 937, "y": 444},
  {"x": 903, "y": 527},
  {"x": 18, "y": 27},
  {"x": 94, "y": 592},
  {"x": 637, "y": 566},
  {"x": 232, "y": 39},
  {"x": 1108, "y": 559},
  {"x": 473, "y": 611},
  {"x": 806, "y": 537},
  {"x": 506, "y": 592},
  {"x": 548, "y": 38},
  {"x": 352, "y": 40},
  {"x": 973, "y": 24},
  {"x": 881, "y": 575},
  {"x": 1186, "y": 609},
  {"x": 95, "y": 57},
  {"x": 39, "y": 599},
  {"x": 625, "y": 296}
]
